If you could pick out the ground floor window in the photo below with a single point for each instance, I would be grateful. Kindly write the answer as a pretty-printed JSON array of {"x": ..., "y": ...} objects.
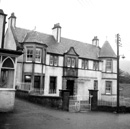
[
  {"x": 95, "y": 85},
  {"x": 27, "y": 78},
  {"x": 52, "y": 88},
  {"x": 7, "y": 78},
  {"x": 108, "y": 87}
]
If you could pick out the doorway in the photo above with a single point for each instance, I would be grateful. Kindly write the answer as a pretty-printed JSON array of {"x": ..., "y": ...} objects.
[
  {"x": 70, "y": 86},
  {"x": 37, "y": 82}
]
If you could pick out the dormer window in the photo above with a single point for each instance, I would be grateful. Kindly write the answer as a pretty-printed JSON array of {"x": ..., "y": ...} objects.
[
  {"x": 68, "y": 62},
  {"x": 71, "y": 62},
  {"x": 109, "y": 65},
  {"x": 29, "y": 55},
  {"x": 38, "y": 55}
]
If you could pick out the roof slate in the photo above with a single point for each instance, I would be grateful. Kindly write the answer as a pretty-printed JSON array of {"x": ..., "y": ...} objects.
[
  {"x": 84, "y": 50},
  {"x": 107, "y": 51}
]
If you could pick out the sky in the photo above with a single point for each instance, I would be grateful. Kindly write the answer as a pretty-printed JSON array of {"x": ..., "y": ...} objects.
[{"x": 80, "y": 19}]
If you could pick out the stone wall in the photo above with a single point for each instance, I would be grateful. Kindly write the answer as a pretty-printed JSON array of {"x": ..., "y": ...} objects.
[{"x": 47, "y": 101}]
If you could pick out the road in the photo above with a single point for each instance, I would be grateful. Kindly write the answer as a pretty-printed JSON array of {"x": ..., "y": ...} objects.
[{"x": 27, "y": 115}]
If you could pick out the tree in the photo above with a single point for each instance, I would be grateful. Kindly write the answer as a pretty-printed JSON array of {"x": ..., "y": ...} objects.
[{"x": 124, "y": 77}]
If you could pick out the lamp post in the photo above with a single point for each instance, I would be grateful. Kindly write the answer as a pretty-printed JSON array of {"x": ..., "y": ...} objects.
[
  {"x": 118, "y": 58},
  {"x": 118, "y": 41}
]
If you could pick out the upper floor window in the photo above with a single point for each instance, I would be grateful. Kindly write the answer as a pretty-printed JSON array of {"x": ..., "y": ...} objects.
[
  {"x": 108, "y": 87},
  {"x": 96, "y": 65},
  {"x": 38, "y": 55},
  {"x": 84, "y": 64},
  {"x": 108, "y": 65},
  {"x": 29, "y": 55},
  {"x": 54, "y": 60},
  {"x": 71, "y": 62}
]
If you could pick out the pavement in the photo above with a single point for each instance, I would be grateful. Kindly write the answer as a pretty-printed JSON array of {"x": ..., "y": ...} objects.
[{"x": 27, "y": 115}]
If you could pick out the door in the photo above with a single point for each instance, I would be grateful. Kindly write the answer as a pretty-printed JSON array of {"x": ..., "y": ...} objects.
[
  {"x": 70, "y": 86},
  {"x": 37, "y": 82},
  {"x": 93, "y": 99}
]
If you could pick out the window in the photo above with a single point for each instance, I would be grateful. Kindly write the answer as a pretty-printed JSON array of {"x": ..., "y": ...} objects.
[
  {"x": 96, "y": 65},
  {"x": 108, "y": 65},
  {"x": 71, "y": 62},
  {"x": 108, "y": 87},
  {"x": 95, "y": 85},
  {"x": 54, "y": 60},
  {"x": 29, "y": 55},
  {"x": 84, "y": 64},
  {"x": 68, "y": 62},
  {"x": 38, "y": 55},
  {"x": 52, "y": 88},
  {"x": 27, "y": 78}
]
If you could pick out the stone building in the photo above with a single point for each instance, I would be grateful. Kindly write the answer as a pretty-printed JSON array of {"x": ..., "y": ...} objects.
[{"x": 51, "y": 63}]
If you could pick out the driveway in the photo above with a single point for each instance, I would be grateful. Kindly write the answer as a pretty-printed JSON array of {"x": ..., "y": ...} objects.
[{"x": 27, "y": 115}]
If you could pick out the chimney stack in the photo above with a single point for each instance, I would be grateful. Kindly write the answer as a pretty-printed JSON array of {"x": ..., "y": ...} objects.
[
  {"x": 12, "y": 20},
  {"x": 56, "y": 32},
  {"x": 95, "y": 41}
]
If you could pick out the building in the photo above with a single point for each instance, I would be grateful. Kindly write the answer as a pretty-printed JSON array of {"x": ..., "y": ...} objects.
[
  {"x": 8, "y": 64},
  {"x": 51, "y": 63}
]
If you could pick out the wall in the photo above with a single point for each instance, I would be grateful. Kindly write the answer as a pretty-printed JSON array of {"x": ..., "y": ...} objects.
[{"x": 7, "y": 98}]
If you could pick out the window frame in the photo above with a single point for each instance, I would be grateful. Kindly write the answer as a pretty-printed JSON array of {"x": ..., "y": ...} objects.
[
  {"x": 109, "y": 65},
  {"x": 54, "y": 60},
  {"x": 53, "y": 90},
  {"x": 71, "y": 62},
  {"x": 84, "y": 64},
  {"x": 40, "y": 50},
  {"x": 108, "y": 83},
  {"x": 95, "y": 84},
  {"x": 96, "y": 65},
  {"x": 32, "y": 49}
]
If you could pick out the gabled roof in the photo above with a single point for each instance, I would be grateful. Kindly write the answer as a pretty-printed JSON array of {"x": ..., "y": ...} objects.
[
  {"x": 84, "y": 50},
  {"x": 107, "y": 51}
]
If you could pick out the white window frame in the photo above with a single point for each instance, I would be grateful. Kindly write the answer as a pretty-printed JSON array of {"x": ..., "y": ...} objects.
[
  {"x": 73, "y": 62},
  {"x": 95, "y": 65},
  {"x": 109, "y": 65},
  {"x": 108, "y": 87},
  {"x": 53, "y": 60},
  {"x": 68, "y": 62},
  {"x": 27, "y": 54},
  {"x": 38, "y": 54}
]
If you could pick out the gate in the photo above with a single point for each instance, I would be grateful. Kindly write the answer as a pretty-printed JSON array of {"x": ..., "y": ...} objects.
[{"x": 79, "y": 103}]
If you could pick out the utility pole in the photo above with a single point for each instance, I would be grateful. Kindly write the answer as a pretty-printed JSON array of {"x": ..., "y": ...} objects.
[{"x": 118, "y": 57}]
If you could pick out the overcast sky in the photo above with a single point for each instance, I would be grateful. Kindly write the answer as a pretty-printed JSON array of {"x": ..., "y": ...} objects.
[{"x": 80, "y": 19}]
